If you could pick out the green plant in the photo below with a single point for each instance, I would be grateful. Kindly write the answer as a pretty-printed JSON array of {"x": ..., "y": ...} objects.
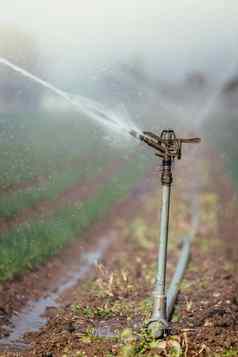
[
  {"x": 228, "y": 353},
  {"x": 33, "y": 242},
  {"x": 94, "y": 312}
]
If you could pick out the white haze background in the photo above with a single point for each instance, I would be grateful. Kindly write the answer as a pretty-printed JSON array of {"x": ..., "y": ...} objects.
[{"x": 174, "y": 36}]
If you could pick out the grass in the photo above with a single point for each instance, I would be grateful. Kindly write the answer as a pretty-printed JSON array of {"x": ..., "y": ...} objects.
[
  {"x": 95, "y": 312},
  {"x": 64, "y": 150},
  {"x": 12, "y": 203},
  {"x": 228, "y": 353},
  {"x": 32, "y": 243}
]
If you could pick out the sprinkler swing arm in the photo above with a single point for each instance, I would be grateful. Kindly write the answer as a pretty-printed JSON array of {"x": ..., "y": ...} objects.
[{"x": 168, "y": 147}]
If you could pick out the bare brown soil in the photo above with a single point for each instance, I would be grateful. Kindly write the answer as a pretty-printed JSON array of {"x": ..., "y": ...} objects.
[
  {"x": 117, "y": 295},
  {"x": 31, "y": 285}
]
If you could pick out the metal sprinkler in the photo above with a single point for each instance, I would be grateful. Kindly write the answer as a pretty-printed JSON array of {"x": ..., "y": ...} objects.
[{"x": 168, "y": 147}]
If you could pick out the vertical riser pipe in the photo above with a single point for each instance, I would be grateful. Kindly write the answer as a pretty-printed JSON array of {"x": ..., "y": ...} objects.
[{"x": 159, "y": 309}]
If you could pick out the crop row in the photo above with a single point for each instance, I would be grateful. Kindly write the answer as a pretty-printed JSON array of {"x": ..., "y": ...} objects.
[
  {"x": 34, "y": 242},
  {"x": 13, "y": 203}
]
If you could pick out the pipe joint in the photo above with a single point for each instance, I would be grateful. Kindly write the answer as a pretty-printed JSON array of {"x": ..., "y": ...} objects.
[{"x": 166, "y": 174}]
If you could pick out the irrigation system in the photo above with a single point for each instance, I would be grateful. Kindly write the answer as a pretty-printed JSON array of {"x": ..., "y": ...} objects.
[{"x": 168, "y": 147}]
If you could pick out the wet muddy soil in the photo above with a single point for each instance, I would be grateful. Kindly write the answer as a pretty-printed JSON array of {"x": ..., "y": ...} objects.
[{"x": 31, "y": 293}]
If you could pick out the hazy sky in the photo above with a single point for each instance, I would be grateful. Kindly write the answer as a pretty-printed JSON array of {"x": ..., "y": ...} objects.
[{"x": 173, "y": 36}]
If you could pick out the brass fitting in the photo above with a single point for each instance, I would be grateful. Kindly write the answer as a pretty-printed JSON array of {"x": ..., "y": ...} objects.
[
  {"x": 168, "y": 147},
  {"x": 166, "y": 173}
]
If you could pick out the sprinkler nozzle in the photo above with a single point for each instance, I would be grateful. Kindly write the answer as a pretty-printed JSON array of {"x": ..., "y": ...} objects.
[
  {"x": 167, "y": 145},
  {"x": 133, "y": 133}
]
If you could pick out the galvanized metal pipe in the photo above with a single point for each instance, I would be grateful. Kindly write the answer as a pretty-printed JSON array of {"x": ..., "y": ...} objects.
[
  {"x": 158, "y": 324},
  {"x": 178, "y": 275},
  {"x": 164, "y": 303},
  {"x": 159, "y": 308},
  {"x": 183, "y": 259},
  {"x": 167, "y": 147}
]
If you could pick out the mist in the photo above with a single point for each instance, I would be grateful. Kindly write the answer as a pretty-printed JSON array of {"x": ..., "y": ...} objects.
[
  {"x": 100, "y": 101},
  {"x": 164, "y": 54},
  {"x": 172, "y": 59},
  {"x": 172, "y": 38}
]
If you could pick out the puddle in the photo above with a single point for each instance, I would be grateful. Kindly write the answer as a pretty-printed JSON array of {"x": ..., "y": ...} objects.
[{"x": 32, "y": 317}]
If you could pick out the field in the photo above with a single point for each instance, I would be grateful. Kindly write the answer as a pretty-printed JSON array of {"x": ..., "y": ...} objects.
[
  {"x": 119, "y": 179},
  {"x": 79, "y": 237},
  {"x": 103, "y": 315},
  {"x": 59, "y": 175}
]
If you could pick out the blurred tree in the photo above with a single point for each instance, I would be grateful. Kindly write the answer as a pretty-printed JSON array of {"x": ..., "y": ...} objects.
[
  {"x": 230, "y": 93},
  {"x": 231, "y": 85},
  {"x": 16, "y": 92},
  {"x": 196, "y": 80}
]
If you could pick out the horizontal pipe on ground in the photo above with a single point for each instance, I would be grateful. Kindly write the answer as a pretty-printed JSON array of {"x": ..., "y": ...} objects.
[{"x": 178, "y": 275}]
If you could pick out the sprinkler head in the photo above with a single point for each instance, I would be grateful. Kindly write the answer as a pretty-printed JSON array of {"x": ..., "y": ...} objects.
[{"x": 167, "y": 145}]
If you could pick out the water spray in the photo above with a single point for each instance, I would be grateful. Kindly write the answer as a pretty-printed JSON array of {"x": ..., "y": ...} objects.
[
  {"x": 168, "y": 147},
  {"x": 113, "y": 121}
]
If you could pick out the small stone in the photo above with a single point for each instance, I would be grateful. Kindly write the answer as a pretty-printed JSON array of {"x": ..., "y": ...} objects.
[
  {"x": 69, "y": 327},
  {"x": 47, "y": 354},
  {"x": 235, "y": 300},
  {"x": 216, "y": 311}
]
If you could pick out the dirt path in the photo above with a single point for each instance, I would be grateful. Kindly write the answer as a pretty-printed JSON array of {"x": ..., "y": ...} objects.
[
  {"x": 207, "y": 309},
  {"x": 104, "y": 315}
]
